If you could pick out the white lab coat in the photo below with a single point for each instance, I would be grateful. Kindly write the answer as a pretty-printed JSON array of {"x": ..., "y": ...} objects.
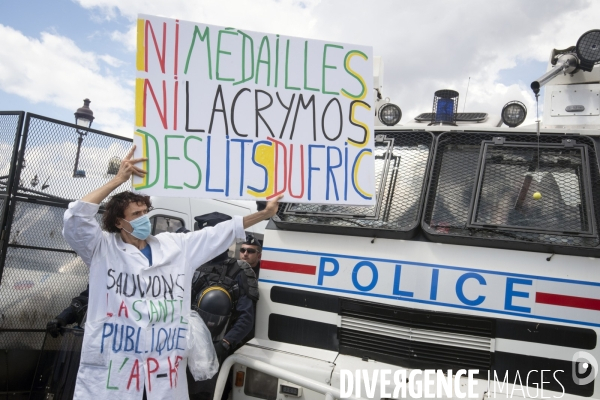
[{"x": 137, "y": 313}]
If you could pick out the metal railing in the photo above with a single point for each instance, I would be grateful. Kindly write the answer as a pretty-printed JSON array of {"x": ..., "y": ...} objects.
[{"x": 310, "y": 384}]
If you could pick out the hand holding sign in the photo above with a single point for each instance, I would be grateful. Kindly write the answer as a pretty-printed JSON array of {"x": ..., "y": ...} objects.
[
  {"x": 272, "y": 206},
  {"x": 268, "y": 212}
]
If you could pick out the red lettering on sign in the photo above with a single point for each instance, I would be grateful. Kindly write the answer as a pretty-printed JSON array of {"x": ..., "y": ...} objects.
[
  {"x": 135, "y": 373},
  {"x": 173, "y": 370},
  {"x": 151, "y": 370},
  {"x": 123, "y": 307}
]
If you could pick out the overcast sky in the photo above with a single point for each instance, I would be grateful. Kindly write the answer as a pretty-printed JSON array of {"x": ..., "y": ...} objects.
[{"x": 55, "y": 53}]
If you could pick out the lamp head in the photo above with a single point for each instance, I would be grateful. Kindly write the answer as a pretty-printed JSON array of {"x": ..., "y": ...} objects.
[{"x": 84, "y": 115}]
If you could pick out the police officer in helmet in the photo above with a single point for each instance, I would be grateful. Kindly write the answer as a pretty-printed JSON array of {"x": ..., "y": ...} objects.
[
  {"x": 223, "y": 292},
  {"x": 251, "y": 252}
]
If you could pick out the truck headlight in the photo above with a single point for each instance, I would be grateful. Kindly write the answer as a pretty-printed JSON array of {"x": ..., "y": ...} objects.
[
  {"x": 514, "y": 113},
  {"x": 390, "y": 114}
]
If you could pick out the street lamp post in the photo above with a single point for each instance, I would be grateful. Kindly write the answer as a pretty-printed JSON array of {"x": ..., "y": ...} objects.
[{"x": 83, "y": 117}]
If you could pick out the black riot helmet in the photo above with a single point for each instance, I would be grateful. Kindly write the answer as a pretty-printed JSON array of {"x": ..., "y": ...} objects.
[{"x": 214, "y": 305}]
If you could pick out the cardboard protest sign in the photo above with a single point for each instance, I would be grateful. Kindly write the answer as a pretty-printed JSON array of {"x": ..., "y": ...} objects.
[{"x": 231, "y": 114}]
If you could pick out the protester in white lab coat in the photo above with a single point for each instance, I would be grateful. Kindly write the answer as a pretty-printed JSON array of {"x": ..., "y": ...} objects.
[{"x": 135, "y": 335}]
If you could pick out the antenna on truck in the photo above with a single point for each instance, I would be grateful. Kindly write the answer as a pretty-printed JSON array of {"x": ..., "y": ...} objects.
[{"x": 464, "y": 105}]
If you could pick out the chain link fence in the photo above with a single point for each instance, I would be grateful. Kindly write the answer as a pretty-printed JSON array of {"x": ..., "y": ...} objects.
[
  {"x": 40, "y": 272},
  {"x": 11, "y": 124}
]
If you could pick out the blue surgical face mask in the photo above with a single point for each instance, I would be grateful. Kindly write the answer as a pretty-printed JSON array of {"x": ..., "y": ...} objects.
[{"x": 141, "y": 227}]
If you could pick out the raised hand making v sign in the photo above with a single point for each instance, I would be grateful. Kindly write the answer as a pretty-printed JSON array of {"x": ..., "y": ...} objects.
[{"x": 126, "y": 169}]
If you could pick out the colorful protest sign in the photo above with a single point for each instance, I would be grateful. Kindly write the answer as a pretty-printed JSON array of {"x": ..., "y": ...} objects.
[{"x": 231, "y": 114}]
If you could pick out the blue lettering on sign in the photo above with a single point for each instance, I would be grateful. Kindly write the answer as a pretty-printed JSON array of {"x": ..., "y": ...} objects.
[
  {"x": 310, "y": 165},
  {"x": 375, "y": 276},
  {"x": 129, "y": 342},
  {"x": 511, "y": 292},
  {"x": 180, "y": 337},
  {"x": 106, "y": 333},
  {"x": 166, "y": 339},
  {"x": 117, "y": 340},
  {"x": 397, "y": 290},
  {"x": 208, "y": 169},
  {"x": 459, "y": 288},
  {"x": 323, "y": 272},
  {"x": 137, "y": 341}
]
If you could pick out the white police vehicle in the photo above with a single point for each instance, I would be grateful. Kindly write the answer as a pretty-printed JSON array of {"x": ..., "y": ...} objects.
[{"x": 481, "y": 254}]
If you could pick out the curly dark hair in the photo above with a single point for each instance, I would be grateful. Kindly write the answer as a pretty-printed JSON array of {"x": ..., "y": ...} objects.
[{"x": 115, "y": 208}]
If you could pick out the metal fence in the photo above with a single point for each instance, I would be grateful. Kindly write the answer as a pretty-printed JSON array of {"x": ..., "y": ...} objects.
[
  {"x": 41, "y": 273},
  {"x": 38, "y": 270},
  {"x": 57, "y": 367},
  {"x": 515, "y": 191},
  {"x": 11, "y": 125}
]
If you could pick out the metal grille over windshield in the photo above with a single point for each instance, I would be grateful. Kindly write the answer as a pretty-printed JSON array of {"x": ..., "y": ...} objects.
[
  {"x": 513, "y": 176},
  {"x": 401, "y": 160},
  {"x": 510, "y": 189}
]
